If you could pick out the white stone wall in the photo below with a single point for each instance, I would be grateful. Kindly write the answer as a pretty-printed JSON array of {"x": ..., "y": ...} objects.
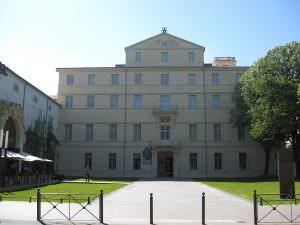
[{"x": 32, "y": 109}]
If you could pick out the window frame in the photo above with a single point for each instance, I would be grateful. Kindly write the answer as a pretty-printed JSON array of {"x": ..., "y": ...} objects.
[
  {"x": 215, "y": 78},
  {"x": 68, "y": 132},
  {"x": 217, "y": 132},
  {"x": 137, "y": 132},
  {"x": 113, "y": 132},
  {"x": 90, "y": 101},
  {"x": 164, "y": 57},
  {"x": 114, "y": 79},
  {"x": 218, "y": 161},
  {"x": 89, "y": 132},
  {"x": 112, "y": 161},
  {"x": 192, "y": 131},
  {"x": 91, "y": 80},
  {"x": 137, "y": 159},
  {"x": 193, "y": 161},
  {"x": 138, "y": 101},
  {"x": 70, "y": 79},
  {"x": 191, "y": 57}
]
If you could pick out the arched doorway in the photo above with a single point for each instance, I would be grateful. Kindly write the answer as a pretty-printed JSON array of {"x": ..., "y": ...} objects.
[
  {"x": 12, "y": 137},
  {"x": 165, "y": 164}
]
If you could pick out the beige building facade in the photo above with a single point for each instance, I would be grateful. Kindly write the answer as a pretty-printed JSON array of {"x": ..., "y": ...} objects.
[{"x": 165, "y": 113}]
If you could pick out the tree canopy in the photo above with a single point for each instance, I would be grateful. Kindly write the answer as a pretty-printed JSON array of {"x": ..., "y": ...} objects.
[{"x": 270, "y": 91}]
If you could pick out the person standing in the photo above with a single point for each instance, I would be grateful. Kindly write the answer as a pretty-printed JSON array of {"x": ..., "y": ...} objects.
[{"x": 87, "y": 174}]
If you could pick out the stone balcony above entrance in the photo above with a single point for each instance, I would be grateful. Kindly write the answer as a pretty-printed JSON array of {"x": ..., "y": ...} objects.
[
  {"x": 165, "y": 144},
  {"x": 165, "y": 110}
]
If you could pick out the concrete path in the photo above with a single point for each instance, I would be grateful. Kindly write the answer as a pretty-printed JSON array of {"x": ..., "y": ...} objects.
[{"x": 175, "y": 202}]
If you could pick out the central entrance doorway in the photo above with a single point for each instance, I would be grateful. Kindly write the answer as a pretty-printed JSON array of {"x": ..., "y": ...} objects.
[{"x": 165, "y": 164}]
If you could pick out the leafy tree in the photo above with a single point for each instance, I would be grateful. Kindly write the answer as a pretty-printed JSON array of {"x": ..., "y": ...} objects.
[
  {"x": 36, "y": 143},
  {"x": 51, "y": 141},
  {"x": 269, "y": 89},
  {"x": 35, "y": 137},
  {"x": 241, "y": 117}
]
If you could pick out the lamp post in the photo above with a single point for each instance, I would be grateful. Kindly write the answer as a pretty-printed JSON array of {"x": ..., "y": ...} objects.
[{"x": 4, "y": 150}]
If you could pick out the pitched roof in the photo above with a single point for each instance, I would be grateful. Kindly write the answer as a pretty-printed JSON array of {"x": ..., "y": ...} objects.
[{"x": 167, "y": 34}]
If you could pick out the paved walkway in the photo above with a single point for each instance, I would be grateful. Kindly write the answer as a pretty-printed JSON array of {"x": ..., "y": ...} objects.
[{"x": 175, "y": 202}]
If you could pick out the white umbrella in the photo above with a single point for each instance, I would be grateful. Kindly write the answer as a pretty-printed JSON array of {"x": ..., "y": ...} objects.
[{"x": 12, "y": 155}]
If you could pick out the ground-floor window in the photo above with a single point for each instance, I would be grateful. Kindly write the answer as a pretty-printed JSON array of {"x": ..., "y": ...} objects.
[
  {"x": 136, "y": 161},
  {"x": 243, "y": 160},
  {"x": 88, "y": 160},
  {"x": 218, "y": 161},
  {"x": 112, "y": 161},
  {"x": 193, "y": 161}
]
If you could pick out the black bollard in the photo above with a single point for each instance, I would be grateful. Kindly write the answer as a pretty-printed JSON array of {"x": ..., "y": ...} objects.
[
  {"x": 101, "y": 206},
  {"x": 151, "y": 208},
  {"x": 38, "y": 203},
  {"x": 255, "y": 207},
  {"x": 203, "y": 208}
]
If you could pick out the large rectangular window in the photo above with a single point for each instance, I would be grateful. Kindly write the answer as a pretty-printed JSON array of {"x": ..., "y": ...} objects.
[
  {"x": 218, "y": 161},
  {"x": 165, "y": 103},
  {"x": 165, "y": 129},
  {"x": 192, "y": 101},
  {"x": 90, "y": 101},
  {"x": 138, "y": 101},
  {"x": 136, "y": 161},
  {"x": 70, "y": 79},
  {"x": 115, "y": 79},
  {"x": 88, "y": 160},
  {"x": 164, "y": 79},
  {"x": 193, "y": 161},
  {"x": 91, "y": 80},
  {"x": 89, "y": 132},
  {"x": 241, "y": 133},
  {"x": 191, "y": 57},
  {"x": 215, "y": 78},
  {"x": 113, "y": 132},
  {"x": 138, "y": 57},
  {"x": 137, "y": 132},
  {"x": 192, "y": 78},
  {"x": 193, "y": 132},
  {"x": 217, "y": 132},
  {"x": 164, "y": 57},
  {"x": 112, "y": 161},
  {"x": 138, "y": 78},
  {"x": 216, "y": 101},
  {"x": 69, "y": 102},
  {"x": 114, "y": 101},
  {"x": 243, "y": 160},
  {"x": 68, "y": 132}
]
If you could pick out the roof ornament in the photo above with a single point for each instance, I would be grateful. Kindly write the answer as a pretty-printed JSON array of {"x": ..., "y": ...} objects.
[{"x": 164, "y": 30}]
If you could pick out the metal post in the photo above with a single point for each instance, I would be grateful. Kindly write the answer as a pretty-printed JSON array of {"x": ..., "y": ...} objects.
[
  {"x": 255, "y": 206},
  {"x": 203, "y": 208},
  {"x": 38, "y": 203},
  {"x": 151, "y": 208},
  {"x": 101, "y": 206}
]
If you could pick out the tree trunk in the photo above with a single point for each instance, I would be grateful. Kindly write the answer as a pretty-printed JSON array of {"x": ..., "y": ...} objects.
[
  {"x": 296, "y": 150},
  {"x": 267, "y": 151}
]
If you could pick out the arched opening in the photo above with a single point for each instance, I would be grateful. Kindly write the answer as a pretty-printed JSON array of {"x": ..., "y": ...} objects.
[
  {"x": 12, "y": 137},
  {"x": 165, "y": 164}
]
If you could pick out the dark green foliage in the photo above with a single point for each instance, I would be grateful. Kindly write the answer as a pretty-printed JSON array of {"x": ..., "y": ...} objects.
[{"x": 269, "y": 89}]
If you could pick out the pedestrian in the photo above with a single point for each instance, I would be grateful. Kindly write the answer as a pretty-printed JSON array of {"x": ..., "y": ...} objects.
[{"x": 87, "y": 174}]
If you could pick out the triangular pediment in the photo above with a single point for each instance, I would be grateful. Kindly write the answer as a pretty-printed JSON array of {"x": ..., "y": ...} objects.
[{"x": 158, "y": 42}]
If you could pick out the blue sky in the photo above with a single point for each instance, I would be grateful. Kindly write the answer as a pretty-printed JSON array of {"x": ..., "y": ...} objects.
[{"x": 37, "y": 36}]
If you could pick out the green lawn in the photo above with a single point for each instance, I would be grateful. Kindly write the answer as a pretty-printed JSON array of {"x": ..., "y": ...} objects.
[
  {"x": 244, "y": 187},
  {"x": 82, "y": 191}
]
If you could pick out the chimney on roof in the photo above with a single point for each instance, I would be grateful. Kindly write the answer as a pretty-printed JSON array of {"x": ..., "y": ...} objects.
[{"x": 224, "y": 62}]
